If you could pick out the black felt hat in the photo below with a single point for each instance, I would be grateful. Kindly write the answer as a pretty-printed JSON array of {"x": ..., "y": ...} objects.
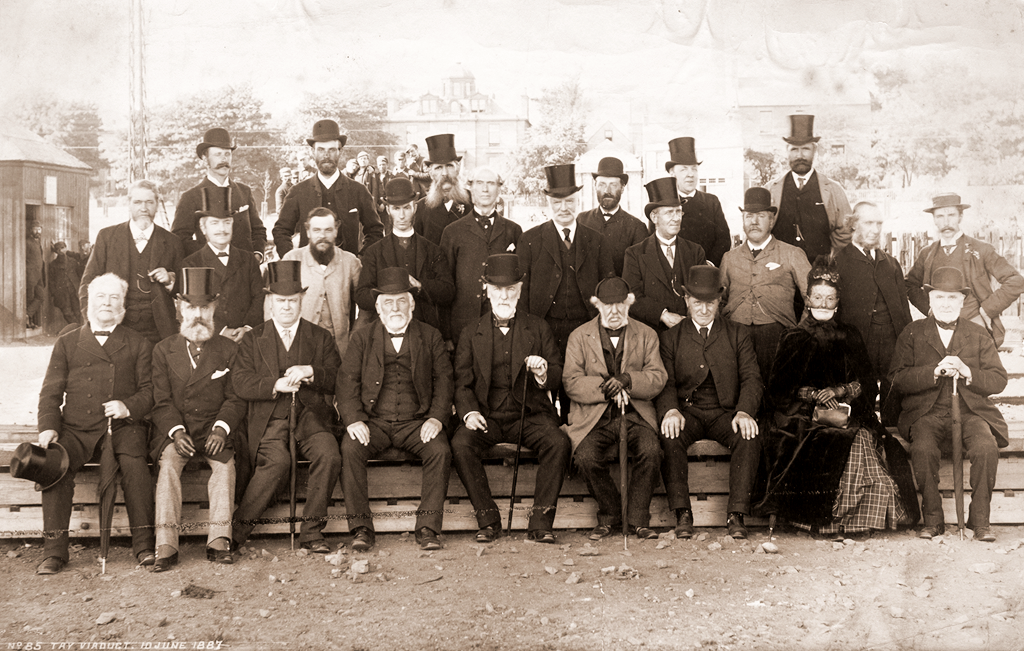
[
  {"x": 662, "y": 193},
  {"x": 758, "y": 199},
  {"x": 948, "y": 279},
  {"x": 399, "y": 191},
  {"x": 215, "y": 138},
  {"x": 801, "y": 130},
  {"x": 197, "y": 285},
  {"x": 681, "y": 151},
  {"x": 441, "y": 149},
  {"x": 45, "y": 466},
  {"x": 392, "y": 280},
  {"x": 502, "y": 270},
  {"x": 561, "y": 181},
  {"x": 612, "y": 290},
  {"x": 325, "y": 131},
  {"x": 611, "y": 167},
  {"x": 284, "y": 278},
  {"x": 704, "y": 282}
]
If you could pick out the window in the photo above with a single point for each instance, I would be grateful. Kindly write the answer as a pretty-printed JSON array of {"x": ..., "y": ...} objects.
[
  {"x": 838, "y": 150},
  {"x": 494, "y": 134},
  {"x": 428, "y": 106},
  {"x": 766, "y": 121},
  {"x": 608, "y": 135},
  {"x": 478, "y": 105}
]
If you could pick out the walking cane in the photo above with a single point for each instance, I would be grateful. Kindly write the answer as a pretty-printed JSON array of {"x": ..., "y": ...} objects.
[
  {"x": 294, "y": 472},
  {"x": 623, "y": 470},
  {"x": 519, "y": 449},
  {"x": 958, "y": 460}
]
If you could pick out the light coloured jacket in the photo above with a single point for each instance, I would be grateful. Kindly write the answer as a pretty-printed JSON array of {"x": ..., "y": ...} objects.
[{"x": 837, "y": 206}]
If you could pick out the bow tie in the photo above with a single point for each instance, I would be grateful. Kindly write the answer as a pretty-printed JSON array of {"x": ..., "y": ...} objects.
[
  {"x": 503, "y": 323},
  {"x": 755, "y": 252},
  {"x": 222, "y": 254},
  {"x": 101, "y": 333},
  {"x": 947, "y": 326},
  {"x": 396, "y": 335},
  {"x": 616, "y": 332}
]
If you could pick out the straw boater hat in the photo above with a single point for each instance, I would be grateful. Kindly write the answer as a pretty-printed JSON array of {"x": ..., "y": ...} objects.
[
  {"x": 681, "y": 151},
  {"x": 801, "y": 130},
  {"x": 441, "y": 150},
  {"x": 215, "y": 138},
  {"x": 502, "y": 270},
  {"x": 561, "y": 181},
  {"x": 326, "y": 131},
  {"x": 946, "y": 200},
  {"x": 948, "y": 279},
  {"x": 284, "y": 278},
  {"x": 197, "y": 285},
  {"x": 45, "y": 466},
  {"x": 758, "y": 199},
  {"x": 662, "y": 193},
  {"x": 611, "y": 167},
  {"x": 704, "y": 283}
]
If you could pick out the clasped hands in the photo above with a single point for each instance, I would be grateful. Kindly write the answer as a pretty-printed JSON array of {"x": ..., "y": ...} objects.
[
  {"x": 826, "y": 397},
  {"x": 952, "y": 366},
  {"x": 616, "y": 389},
  {"x": 292, "y": 379},
  {"x": 214, "y": 442}
]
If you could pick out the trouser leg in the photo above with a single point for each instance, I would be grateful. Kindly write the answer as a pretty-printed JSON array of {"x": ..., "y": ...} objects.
[
  {"x": 591, "y": 459},
  {"x": 982, "y": 451},
  {"x": 137, "y": 483},
  {"x": 675, "y": 466},
  {"x": 745, "y": 455},
  {"x": 554, "y": 449},
  {"x": 924, "y": 455},
  {"x": 324, "y": 457},
  {"x": 437, "y": 464},
  {"x": 354, "y": 456},
  {"x": 272, "y": 464},
  {"x": 168, "y": 497},
  {"x": 57, "y": 515},
  {"x": 220, "y": 490},
  {"x": 467, "y": 447},
  {"x": 646, "y": 452}
]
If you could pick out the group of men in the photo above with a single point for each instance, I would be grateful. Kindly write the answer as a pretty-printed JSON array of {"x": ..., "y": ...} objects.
[{"x": 456, "y": 331}]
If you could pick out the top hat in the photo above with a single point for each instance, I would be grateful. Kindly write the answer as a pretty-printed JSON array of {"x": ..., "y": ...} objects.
[
  {"x": 399, "y": 191},
  {"x": 284, "y": 278},
  {"x": 945, "y": 201},
  {"x": 704, "y": 283},
  {"x": 45, "y": 466},
  {"x": 197, "y": 285},
  {"x": 611, "y": 166},
  {"x": 561, "y": 181},
  {"x": 216, "y": 202},
  {"x": 662, "y": 193},
  {"x": 325, "y": 131},
  {"x": 801, "y": 130},
  {"x": 948, "y": 279},
  {"x": 215, "y": 138},
  {"x": 758, "y": 199},
  {"x": 441, "y": 149},
  {"x": 502, "y": 270},
  {"x": 681, "y": 152},
  {"x": 612, "y": 290},
  {"x": 392, "y": 280}
]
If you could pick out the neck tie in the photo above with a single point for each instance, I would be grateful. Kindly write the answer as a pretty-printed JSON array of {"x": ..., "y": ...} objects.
[
  {"x": 568, "y": 242},
  {"x": 222, "y": 254},
  {"x": 949, "y": 249},
  {"x": 140, "y": 242},
  {"x": 286, "y": 336},
  {"x": 670, "y": 254},
  {"x": 704, "y": 333},
  {"x": 755, "y": 252},
  {"x": 800, "y": 183},
  {"x": 485, "y": 222},
  {"x": 102, "y": 333},
  {"x": 195, "y": 351},
  {"x": 947, "y": 326},
  {"x": 502, "y": 323}
]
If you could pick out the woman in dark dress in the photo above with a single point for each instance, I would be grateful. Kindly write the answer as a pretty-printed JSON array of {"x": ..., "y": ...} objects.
[{"x": 825, "y": 470}]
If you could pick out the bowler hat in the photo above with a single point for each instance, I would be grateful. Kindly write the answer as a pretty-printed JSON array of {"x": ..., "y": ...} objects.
[
  {"x": 197, "y": 285},
  {"x": 611, "y": 167},
  {"x": 948, "y": 279},
  {"x": 704, "y": 282},
  {"x": 284, "y": 277},
  {"x": 325, "y": 131},
  {"x": 681, "y": 151},
  {"x": 399, "y": 191},
  {"x": 947, "y": 200},
  {"x": 441, "y": 149},
  {"x": 45, "y": 466},
  {"x": 801, "y": 130},
  {"x": 502, "y": 270},
  {"x": 561, "y": 181},
  {"x": 758, "y": 199},
  {"x": 612, "y": 290},
  {"x": 216, "y": 202},
  {"x": 215, "y": 138},
  {"x": 392, "y": 280},
  {"x": 662, "y": 193}
]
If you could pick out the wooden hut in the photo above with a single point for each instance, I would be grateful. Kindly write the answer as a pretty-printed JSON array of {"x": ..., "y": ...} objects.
[{"x": 38, "y": 181}]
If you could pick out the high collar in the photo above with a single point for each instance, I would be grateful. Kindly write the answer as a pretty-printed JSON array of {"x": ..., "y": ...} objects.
[
  {"x": 329, "y": 181},
  {"x": 211, "y": 179}
]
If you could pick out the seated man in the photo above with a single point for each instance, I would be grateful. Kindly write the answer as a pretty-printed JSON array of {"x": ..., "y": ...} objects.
[
  {"x": 931, "y": 354},
  {"x": 395, "y": 390},
  {"x": 196, "y": 410},
  {"x": 504, "y": 357},
  {"x": 713, "y": 390},
  {"x": 288, "y": 363},
  {"x": 612, "y": 372},
  {"x": 98, "y": 381}
]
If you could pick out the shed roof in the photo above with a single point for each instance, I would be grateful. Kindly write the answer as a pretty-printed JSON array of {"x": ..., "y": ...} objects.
[{"x": 20, "y": 144}]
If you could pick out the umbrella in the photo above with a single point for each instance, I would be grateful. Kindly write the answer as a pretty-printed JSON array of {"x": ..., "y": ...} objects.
[
  {"x": 515, "y": 465},
  {"x": 108, "y": 491},
  {"x": 958, "y": 461},
  {"x": 623, "y": 470},
  {"x": 294, "y": 471}
]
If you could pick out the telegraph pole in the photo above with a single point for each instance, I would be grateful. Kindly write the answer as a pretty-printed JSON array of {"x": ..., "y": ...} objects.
[{"x": 137, "y": 89}]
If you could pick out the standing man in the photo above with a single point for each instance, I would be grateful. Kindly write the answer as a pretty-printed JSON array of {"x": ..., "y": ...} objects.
[
  {"x": 613, "y": 372},
  {"x": 358, "y": 223},
  {"x": 874, "y": 299},
  {"x": 703, "y": 220},
  {"x": 469, "y": 242},
  {"x": 812, "y": 207},
  {"x": 98, "y": 380},
  {"x": 424, "y": 262},
  {"x": 415, "y": 167},
  {"x": 713, "y": 392},
  {"x": 249, "y": 233},
  {"x": 563, "y": 263},
  {"x": 761, "y": 278},
  {"x": 507, "y": 355},
  {"x": 236, "y": 274},
  {"x": 331, "y": 275},
  {"x": 367, "y": 175},
  {"x": 930, "y": 355},
  {"x": 288, "y": 180},
  {"x": 144, "y": 255},
  {"x": 35, "y": 274},
  {"x": 620, "y": 229},
  {"x": 196, "y": 411},
  {"x": 288, "y": 363},
  {"x": 977, "y": 260},
  {"x": 446, "y": 201},
  {"x": 656, "y": 268},
  {"x": 384, "y": 174},
  {"x": 395, "y": 390}
]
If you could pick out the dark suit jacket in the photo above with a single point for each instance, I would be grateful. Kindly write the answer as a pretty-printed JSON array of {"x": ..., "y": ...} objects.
[
  {"x": 540, "y": 251},
  {"x": 860, "y": 282},
  {"x": 728, "y": 355},
  {"x": 194, "y": 398},
  {"x": 362, "y": 373},
  {"x": 467, "y": 248},
  {"x": 358, "y": 223},
  {"x": 704, "y": 224},
  {"x": 239, "y": 284},
  {"x": 431, "y": 222},
  {"x": 431, "y": 269},
  {"x": 248, "y": 231},
  {"x": 81, "y": 376},
  {"x": 919, "y": 350},
  {"x": 531, "y": 335},
  {"x": 256, "y": 370},
  {"x": 654, "y": 291},
  {"x": 110, "y": 255},
  {"x": 621, "y": 231}
]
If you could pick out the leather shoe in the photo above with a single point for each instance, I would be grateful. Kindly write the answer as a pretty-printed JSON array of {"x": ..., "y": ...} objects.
[
  {"x": 146, "y": 558},
  {"x": 644, "y": 533},
  {"x": 488, "y": 534},
  {"x": 318, "y": 546},
  {"x": 930, "y": 531},
  {"x": 363, "y": 539},
  {"x": 427, "y": 539},
  {"x": 984, "y": 534},
  {"x": 684, "y": 524},
  {"x": 603, "y": 531},
  {"x": 51, "y": 565},
  {"x": 221, "y": 556},
  {"x": 735, "y": 525},
  {"x": 167, "y": 562},
  {"x": 541, "y": 536}
]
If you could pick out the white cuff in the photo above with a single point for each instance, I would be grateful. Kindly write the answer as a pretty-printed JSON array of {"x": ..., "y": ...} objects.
[{"x": 174, "y": 429}]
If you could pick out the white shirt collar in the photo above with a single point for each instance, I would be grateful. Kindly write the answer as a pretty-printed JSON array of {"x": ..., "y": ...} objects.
[
  {"x": 608, "y": 215},
  {"x": 292, "y": 330},
  {"x": 137, "y": 231},
  {"x": 227, "y": 249},
  {"x": 762, "y": 246},
  {"x": 95, "y": 326},
  {"x": 690, "y": 195},
  {"x": 561, "y": 230},
  {"x": 329, "y": 181},
  {"x": 408, "y": 233},
  {"x": 867, "y": 252},
  {"x": 805, "y": 177},
  {"x": 954, "y": 240},
  {"x": 708, "y": 326},
  {"x": 448, "y": 204},
  {"x": 227, "y": 181},
  {"x": 945, "y": 335},
  {"x": 663, "y": 242}
]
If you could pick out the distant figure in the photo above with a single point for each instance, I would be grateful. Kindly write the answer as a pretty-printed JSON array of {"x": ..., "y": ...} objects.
[
  {"x": 288, "y": 179},
  {"x": 35, "y": 274},
  {"x": 64, "y": 279},
  {"x": 367, "y": 175}
]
